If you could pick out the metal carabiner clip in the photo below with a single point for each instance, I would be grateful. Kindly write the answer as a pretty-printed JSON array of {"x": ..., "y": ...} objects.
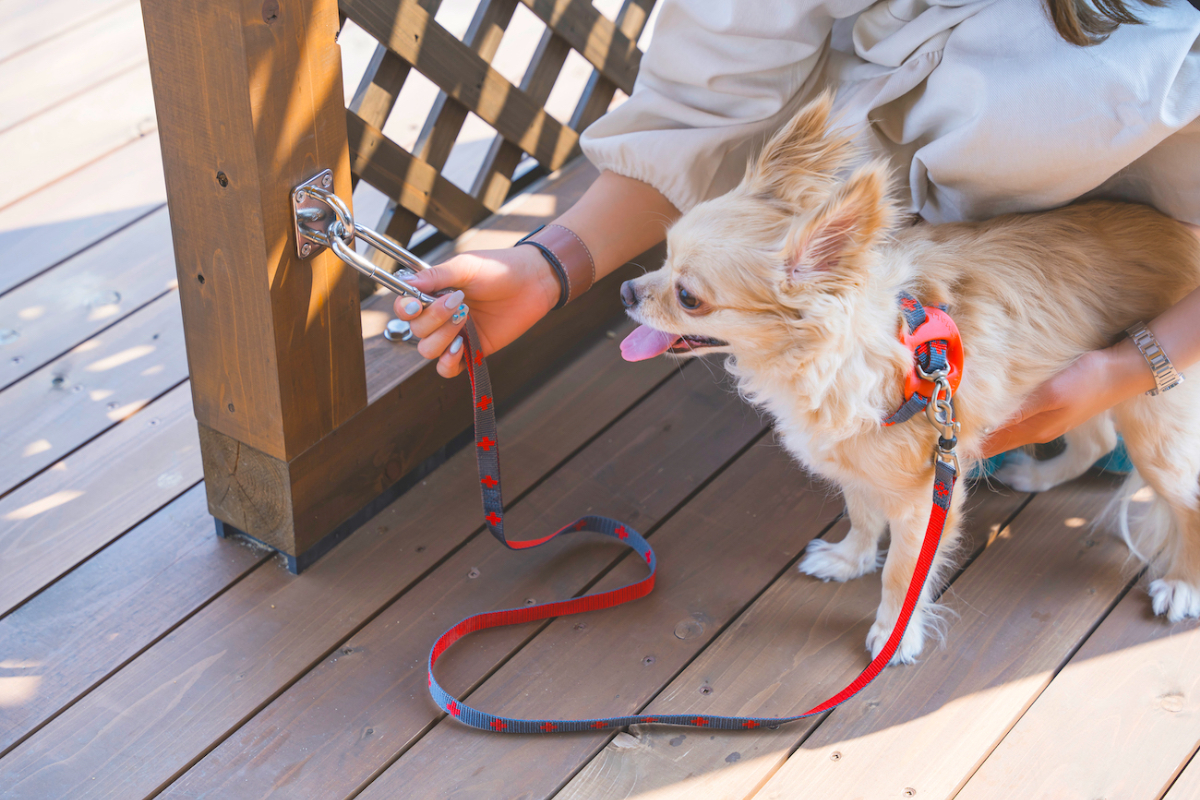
[{"x": 322, "y": 219}]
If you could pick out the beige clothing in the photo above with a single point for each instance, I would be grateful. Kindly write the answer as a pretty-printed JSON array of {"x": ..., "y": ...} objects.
[{"x": 978, "y": 102}]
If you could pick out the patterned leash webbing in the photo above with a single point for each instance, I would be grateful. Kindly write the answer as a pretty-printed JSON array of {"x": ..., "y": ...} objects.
[{"x": 488, "y": 453}]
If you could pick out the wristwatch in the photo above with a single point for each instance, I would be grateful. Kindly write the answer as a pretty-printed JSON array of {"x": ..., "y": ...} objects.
[{"x": 1165, "y": 374}]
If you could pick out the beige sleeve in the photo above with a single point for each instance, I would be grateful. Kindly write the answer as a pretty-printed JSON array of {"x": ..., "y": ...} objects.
[{"x": 717, "y": 80}]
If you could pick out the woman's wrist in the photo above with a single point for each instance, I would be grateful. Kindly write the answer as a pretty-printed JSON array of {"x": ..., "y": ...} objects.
[
  {"x": 540, "y": 277},
  {"x": 1126, "y": 372}
]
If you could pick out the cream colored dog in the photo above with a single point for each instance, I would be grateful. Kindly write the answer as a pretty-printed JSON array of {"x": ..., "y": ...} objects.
[{"x": 795, "y": 274}]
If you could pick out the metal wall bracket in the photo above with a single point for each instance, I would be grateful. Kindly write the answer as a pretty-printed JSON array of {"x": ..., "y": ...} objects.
[{"x": 314, "y": 213}]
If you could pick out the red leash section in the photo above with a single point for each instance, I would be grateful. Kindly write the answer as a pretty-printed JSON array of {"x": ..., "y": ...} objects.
[{"x": 487, "y": 451}]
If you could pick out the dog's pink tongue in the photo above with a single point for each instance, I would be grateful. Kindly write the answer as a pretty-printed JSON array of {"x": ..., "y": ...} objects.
[{"x": 645, "y": 342}]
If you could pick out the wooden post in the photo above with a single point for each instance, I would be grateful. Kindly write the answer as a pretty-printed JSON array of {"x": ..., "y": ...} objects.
[{"x": 249, "y": 101}]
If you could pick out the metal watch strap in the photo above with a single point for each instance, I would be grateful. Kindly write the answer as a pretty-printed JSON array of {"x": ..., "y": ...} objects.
[
  {"x": 568, "y": 256},
  {"x": 1165, "y": 375}
]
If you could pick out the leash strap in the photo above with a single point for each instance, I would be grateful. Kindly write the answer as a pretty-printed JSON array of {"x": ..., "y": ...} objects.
[{"x": 488, "y": 454}]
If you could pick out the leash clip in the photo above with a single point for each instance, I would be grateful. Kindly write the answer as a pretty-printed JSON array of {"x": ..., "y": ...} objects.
[{"x": 940, "y": 413}]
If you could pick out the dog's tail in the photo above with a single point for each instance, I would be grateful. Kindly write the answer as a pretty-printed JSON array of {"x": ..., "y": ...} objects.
[{"x": 1144, "y": 521}]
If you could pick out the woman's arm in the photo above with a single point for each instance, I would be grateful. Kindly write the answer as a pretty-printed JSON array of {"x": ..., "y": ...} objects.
[
  {"x": 1102, "y": 379},
  {"x": 509, "y": 290}
]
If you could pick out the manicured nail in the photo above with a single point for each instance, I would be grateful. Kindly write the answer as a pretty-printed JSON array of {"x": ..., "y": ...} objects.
[
  {"x": 454, "y": 299},
  {"x": 412, "y": 307},
  {"x": 456, "y": 345},
  {"x": 459, "y": 315}
]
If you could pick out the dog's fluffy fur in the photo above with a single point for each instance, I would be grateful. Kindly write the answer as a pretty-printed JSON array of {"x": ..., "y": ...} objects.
[{"x": 796, "y": 274}]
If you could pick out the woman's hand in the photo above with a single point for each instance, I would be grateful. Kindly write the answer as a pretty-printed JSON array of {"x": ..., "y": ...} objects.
[
  {"x": 507, "y": 291},
  {"x": 1096, "y": 382}
]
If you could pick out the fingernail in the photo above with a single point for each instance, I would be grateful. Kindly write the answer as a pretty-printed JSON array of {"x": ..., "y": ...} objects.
[
  {"x": 459, "y": 315},
  {"x": 412, "y": 307},
  {"x": 456, "y": 345},
  {"x": 454, "y": 299}
]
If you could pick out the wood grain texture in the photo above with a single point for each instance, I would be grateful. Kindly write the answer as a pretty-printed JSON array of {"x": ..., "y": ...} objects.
[
  {"x": 77, "y": 132},
  {"x": 1022, "y": 607},
  {"x": 415, "y": 185},
  {"x": 444, "y": 122},
  {"x": 85, "y": 501},
  {"x": 494, "y": 179},
  {"x": 603, "y": 44},
  {"x": 71, "y": 64},
  {"x": 83, "y": 208},
  {"x": 71, "y": 303},
  {"x": 411, "y": 33},
  {"x": 202, "y": 682},
  {"x": 274, "y": 343},
  {"x": 599, "y": 91},
  {"x": 112, "y": 606},
  {"x": 96, "y": 385},
  {"x": 638, "y": 470},
  {"x": 717, "y": 554},
  {"x": 1120, "y": 720},
  {"x": 800, "y": 642}
]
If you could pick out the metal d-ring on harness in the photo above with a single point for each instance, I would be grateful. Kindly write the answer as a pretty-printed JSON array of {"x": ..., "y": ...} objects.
[{"x": 323, "y": 220}]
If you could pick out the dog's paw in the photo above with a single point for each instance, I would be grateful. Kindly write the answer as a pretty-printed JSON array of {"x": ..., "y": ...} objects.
[
  {"x": 839, "y": 561},
  {"x": 1176, "y": 599},
  {"x": 911, "y": 644}
]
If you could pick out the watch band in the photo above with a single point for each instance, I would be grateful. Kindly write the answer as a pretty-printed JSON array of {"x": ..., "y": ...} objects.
[
  {"x": 568, "y": 256},
  {"x": 1165, "y": 375}
]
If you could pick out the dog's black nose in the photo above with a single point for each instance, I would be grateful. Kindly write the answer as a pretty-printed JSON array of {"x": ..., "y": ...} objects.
[{"x": 629, "y": 297}]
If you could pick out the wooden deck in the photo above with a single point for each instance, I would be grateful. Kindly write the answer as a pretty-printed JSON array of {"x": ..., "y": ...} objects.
[{"x": 141, "y": 656}]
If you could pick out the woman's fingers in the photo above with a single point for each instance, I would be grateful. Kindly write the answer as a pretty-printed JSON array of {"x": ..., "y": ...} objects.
[
  {"x": 406, "y": 308},
  {"x": 450, "y": 362},
  {"x": 440, "y": 323},
  {"x": 438, "y": 314}
]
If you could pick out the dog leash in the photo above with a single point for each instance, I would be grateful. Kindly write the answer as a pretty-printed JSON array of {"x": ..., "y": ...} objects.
[{"x": 937, "y": 370}]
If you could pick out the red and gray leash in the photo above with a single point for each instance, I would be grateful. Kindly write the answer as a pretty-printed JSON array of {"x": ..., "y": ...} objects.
[{"x": 488, "y": 454}]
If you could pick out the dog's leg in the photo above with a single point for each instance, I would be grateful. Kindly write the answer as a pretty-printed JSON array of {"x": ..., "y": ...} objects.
[
  {"x": 855, "y": 555},
  {"x": 1163, "y": 437},
  {"x": 908, "y": 533},
  {"x": 1085, "y": 445}
]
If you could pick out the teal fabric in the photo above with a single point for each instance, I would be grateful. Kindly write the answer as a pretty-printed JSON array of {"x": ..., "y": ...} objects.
[{"x": 1117, "y": 462}]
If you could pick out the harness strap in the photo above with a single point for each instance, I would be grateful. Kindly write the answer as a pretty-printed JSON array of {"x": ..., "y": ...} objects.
[
  {"x": 931, "y": 355},
  {"x": 488, "y": 454}
]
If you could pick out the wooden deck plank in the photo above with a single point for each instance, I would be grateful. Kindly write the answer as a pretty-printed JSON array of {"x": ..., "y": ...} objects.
[
  {"x": 99, "y": 383},
  {"x": 85, "y": 501},
  {"x": 31, "y": 24},
  {"x": 77, "y": 132},
  {"x": 107, "y": 610},
  {"x": 1187, "y": 785},
  {"x": 1022, "y": 608},
  {"x": 639, "y": 470},
  {"x": 155, "y": 717},
  {"x": 68, "y": 65},
  {"x": 63, "y": 218},
  {"x": 65, "y": 306},
  {"x": 1120, "y": 720},
  {"x": 716, "y": 555},
  {"x": 798, "y": 644}
]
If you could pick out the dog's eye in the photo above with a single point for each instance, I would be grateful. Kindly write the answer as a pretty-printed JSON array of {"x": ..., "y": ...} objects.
[{"x": 687, "y": 299}]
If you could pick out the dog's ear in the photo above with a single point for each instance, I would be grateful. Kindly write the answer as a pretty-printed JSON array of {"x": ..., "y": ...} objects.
[
  {"x": 829, "y": 245},
  {"x": 799, "y": 163}
]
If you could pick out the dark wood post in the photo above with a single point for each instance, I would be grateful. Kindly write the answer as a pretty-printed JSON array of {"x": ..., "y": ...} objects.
[{"x": 249, "y": 100}]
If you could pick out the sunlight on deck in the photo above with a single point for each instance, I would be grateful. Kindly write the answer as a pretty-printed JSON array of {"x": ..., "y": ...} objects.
[{"x": 31, "y": 510}]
